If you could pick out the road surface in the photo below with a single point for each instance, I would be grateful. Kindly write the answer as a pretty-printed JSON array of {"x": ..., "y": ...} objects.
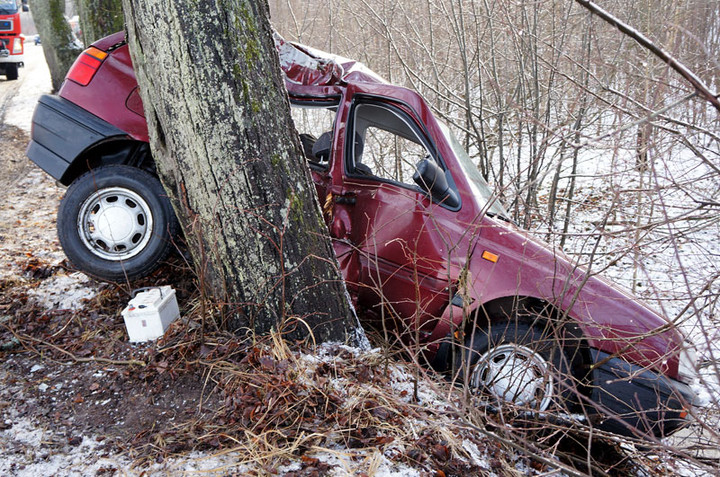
[{"x": 29, "y": 198}]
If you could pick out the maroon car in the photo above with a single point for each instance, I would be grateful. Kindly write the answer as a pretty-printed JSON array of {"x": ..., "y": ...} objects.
[{"x": 422, "y": 242}]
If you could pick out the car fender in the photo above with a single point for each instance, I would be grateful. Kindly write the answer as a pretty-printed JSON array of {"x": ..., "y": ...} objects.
[
  {"x": 62, "y": 132},
  {"x": 510, "y": 267}
]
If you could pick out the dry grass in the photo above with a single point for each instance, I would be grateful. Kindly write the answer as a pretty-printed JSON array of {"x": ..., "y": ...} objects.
[{"x": 281, "y": 408}]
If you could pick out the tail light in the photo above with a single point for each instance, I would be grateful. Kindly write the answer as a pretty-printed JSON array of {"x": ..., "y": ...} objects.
[{"x": 86, "y": 65}]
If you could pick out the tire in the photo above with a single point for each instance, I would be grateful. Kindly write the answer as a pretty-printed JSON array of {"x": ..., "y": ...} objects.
[
  {"x": 11, "y": 71},
  {"x": 116, "y": 223},
  {"x": 516, "y": 365}
]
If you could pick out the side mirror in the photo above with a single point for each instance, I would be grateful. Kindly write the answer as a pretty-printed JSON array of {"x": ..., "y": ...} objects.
[
  {"x": 25, "y": 7},
  {"x": 431, "y": 179}
]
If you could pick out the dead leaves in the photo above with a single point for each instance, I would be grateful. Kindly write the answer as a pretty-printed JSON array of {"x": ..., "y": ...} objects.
[
  {"x": 295, "y": 405},
  {"x": 37, "y": 269}
]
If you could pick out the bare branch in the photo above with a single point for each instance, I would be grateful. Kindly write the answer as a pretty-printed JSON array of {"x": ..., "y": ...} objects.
[{"x": 658, "y": 51}]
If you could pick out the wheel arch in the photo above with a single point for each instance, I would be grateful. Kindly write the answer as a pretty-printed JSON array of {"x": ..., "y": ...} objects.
[
  {"x": 113, "y": 151},
  {"x": 538, "y": 312},
  {"x": 508, "y": 308}
]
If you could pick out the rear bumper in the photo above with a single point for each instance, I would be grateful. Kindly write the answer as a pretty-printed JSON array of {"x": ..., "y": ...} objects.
[
  {"x": 62, "y": 131},
  {"x": 635, "y": 401}
]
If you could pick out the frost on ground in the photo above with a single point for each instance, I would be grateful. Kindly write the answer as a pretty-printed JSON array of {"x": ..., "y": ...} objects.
[{"x": 63, "y": 291}]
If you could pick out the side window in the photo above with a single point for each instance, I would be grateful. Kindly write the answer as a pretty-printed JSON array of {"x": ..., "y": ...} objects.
[
  {"x": 315, "y": 124},
  {"x": 386, "y": 145}
]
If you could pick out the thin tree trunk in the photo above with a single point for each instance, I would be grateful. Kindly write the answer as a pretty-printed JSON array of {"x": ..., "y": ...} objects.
[{"x": 57, "y": 39}]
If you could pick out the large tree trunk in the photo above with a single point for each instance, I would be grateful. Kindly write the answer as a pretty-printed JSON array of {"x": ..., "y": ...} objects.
[
  {"x": 100, "y": 18},
  {"x": 57, "y": 39},
  {"x": 230, "y": 159}
]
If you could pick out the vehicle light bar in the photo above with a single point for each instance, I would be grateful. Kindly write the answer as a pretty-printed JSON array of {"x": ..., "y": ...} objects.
[{"x": 86, "y": 65}]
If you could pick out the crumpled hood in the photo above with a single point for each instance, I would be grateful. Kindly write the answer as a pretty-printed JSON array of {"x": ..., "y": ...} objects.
[{"x": 307, "y": 66}]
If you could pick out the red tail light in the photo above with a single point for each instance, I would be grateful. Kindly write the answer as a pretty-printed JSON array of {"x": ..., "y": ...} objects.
[{"x": 86, "y": 65}]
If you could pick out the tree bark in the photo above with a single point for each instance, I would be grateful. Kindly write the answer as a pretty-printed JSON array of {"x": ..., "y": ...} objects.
[
  {"x": 100, "y": 18},
  {"x": 229, "y": 157},
  {"x": 57, "y": 39}
]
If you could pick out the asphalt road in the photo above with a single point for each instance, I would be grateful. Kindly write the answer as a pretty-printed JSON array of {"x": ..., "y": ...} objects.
[
  {"x": 17, "y": 103},
  {"x": 18, "y": 97}
]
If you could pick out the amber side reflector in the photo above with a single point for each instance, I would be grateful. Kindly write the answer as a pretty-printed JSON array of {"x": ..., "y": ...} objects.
[
  {"x": 683, "y": 414},
  {"x": 86, "y": 65},
  {"x": 490, "y": 256}
]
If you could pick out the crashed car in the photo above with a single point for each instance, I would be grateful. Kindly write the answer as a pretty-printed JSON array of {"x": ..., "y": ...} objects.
[{"x": 422, "y": 242}]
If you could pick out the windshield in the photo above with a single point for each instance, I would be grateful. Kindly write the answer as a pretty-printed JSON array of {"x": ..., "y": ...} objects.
[
  {"x": 8, "y": 7},
  {"x": 480, "y": 189}
]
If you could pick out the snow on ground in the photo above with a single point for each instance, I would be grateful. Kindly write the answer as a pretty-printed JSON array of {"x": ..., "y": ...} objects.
[
  {"x": 35, "y": 82},
  {"x": 63, "y": 291}
]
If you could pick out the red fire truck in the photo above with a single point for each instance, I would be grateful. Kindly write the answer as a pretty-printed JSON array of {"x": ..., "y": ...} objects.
[{"x": 11, "y": 38}]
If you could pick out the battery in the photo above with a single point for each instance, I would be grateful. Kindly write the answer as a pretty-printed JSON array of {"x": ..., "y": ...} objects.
[{"x": 149, "y": 313}]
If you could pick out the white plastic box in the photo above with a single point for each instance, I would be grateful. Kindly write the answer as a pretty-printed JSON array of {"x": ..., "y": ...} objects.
[{"x": 149, "y": 313}]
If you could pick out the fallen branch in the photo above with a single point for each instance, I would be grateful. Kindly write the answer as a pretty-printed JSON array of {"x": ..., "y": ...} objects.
[{"x": 76, "y": 359}]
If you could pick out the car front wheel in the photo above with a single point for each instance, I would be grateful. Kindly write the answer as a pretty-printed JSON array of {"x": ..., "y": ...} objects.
[
  {"x": 518, "y": 365},
  {"x": 116, "y": 223}
]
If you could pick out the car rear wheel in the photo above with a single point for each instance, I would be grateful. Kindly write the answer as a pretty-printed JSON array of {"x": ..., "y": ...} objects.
[
  {"x": 517, "y": 365},
  {"x": 116, "y": 223}
]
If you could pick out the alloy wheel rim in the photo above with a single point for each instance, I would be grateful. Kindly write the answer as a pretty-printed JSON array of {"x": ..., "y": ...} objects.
[
  {"x": 115, "y": 223},
  {"x": 513, "y": 373}
]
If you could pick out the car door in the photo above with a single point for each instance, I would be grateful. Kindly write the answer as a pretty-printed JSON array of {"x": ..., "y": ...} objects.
[{"x": 387, "y": 229}]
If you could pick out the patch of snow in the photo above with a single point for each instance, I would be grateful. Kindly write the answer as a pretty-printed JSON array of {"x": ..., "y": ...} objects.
[
  {"x": 36, "y": 82},
  {"x": 63, "y": 292},
  {"x": 476, "y": 457},
  {"x": 29, "y": 451},
  {"x": 368, "y": 461}
]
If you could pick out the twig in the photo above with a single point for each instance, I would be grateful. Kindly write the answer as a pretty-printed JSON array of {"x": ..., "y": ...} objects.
[
  {"x": 128, "y": 362},
  {"x": 645, "y": 42}
]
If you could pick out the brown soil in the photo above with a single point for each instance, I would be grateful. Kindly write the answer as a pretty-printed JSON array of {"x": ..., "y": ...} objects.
[{"x": 67, "y": 370}]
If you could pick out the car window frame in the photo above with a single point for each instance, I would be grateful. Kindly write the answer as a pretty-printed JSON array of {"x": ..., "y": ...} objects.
[
  {"x": 407, "y": 114},
  {"x": 315, "y": 102}
]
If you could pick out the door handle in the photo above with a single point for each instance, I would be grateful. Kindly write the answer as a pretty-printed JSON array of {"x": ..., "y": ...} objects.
[{"x": 345, "y": 199}]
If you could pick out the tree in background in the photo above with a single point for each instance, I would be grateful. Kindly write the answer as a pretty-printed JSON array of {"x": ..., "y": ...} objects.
[
  {"x": 58, "y": 43},
  {"x": 229, "y": 157},
  {"x": 100, "y": 18}
]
